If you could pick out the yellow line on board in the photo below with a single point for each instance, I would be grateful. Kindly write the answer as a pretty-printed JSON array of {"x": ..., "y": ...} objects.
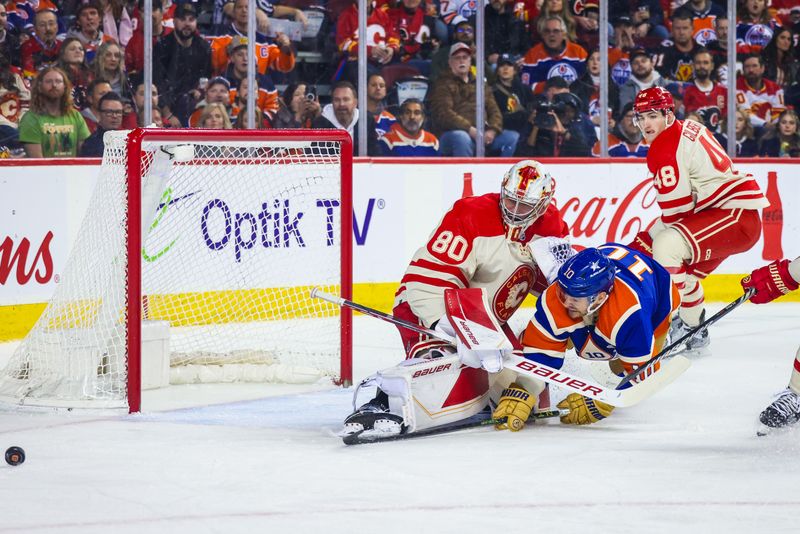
[{"x": 281, "y": 303}]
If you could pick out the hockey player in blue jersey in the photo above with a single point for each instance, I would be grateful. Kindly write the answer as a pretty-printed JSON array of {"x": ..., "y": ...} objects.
[{"x": 610, "y": 303}]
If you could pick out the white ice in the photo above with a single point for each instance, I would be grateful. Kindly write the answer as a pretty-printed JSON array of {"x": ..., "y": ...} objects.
[{"x": 686, "y": 460}]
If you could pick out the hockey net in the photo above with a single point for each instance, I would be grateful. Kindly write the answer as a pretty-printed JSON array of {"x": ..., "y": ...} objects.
[{"x": 236, "y": 228}]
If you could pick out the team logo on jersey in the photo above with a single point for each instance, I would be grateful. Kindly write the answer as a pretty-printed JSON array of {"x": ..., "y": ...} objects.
[
  {"x": 621, "y": 71},
  {"x": 758, "y": 35},
  {"x": 565, "y": 70},
  {"x": 683, "y": 71},
  {"x": 511, "y": 294},
  {"x": 705, "y": 36}
]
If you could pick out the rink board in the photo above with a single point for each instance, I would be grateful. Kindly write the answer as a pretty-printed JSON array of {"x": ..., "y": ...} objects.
[{"x": 396, "y": 206}]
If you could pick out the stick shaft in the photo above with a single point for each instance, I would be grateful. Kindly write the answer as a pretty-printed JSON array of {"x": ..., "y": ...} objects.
[
  {"x": 317, "y": 293},
  {"x": 702, "y": 326}
]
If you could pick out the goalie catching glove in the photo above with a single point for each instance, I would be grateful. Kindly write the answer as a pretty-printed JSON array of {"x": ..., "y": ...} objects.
[
  {"x": 516, "y": 405},
  {"x": 583, "y": 410}
]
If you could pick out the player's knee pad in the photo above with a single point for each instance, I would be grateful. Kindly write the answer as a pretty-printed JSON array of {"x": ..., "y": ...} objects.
[
  {"x": 432, "y": 392},
  {"x": 670, "y": 249}
]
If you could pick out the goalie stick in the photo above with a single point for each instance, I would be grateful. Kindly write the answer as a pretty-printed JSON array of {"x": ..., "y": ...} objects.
[
  {"x": 621, "y": 398},
  {"x": 357, "y": 439},
  {"x": 678, "y": 342}
]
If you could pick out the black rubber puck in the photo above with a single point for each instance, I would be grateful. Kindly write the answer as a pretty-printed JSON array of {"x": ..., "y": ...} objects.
[{"x": 15, "y": 455}]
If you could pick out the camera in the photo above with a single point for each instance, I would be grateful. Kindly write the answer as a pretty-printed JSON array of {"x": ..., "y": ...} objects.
[
  {"x": 311, "y": 93},
  {"x": 543, "y": 108}
]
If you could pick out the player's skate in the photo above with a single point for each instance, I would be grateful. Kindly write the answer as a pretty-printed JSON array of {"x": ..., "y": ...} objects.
[
  {"x": 783, "y": 412},
  {"x": 697, "y": 345},
  {"x": 374, "y": 418}
]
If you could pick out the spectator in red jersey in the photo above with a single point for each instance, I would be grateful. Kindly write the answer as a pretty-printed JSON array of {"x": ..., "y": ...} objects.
[
  {"x": 41, "y": 50},
  {"x": 703, "y": 92},
  {"x": 87, "y": 29},
  {"x": 383, "y": 44},
  {"x": 14, "y": 97},
  {"x": 117, "y": 23},
  {"x": 9, "y": 38},
  {"x": 96, "y": 90},
  {"x": 781, "y": 63},
  {"x": 784, "y": 140},
  {"x": 674, "y": 60},
  {"x": 413, "y": 28},
  {"x": 72, "y": 60},
  {"x": 134, "y": 51},
  {"x": 762, "y": 98}
]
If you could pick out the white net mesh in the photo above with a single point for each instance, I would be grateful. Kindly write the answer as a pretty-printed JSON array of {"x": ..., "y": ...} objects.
[{"x": 235, "y": 235}]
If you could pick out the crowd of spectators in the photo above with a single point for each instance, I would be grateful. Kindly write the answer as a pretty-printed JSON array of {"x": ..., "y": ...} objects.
[{"x": 71, "y": 70}]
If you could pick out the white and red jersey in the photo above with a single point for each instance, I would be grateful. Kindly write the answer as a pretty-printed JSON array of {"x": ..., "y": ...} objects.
[
  {"x": 764, "y": 105},
  {"x": 469, "y": 248},
  {"x": 691, "y": 172}
]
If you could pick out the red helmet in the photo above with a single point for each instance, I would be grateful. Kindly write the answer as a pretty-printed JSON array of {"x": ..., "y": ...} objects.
[{"x": 653, "y": 98}]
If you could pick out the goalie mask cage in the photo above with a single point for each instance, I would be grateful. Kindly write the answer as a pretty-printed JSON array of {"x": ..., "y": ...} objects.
[{"x": 221, "y": 234}]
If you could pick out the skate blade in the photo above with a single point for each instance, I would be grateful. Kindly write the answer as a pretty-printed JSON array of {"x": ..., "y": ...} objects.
[{"x": 763, "y": 430}]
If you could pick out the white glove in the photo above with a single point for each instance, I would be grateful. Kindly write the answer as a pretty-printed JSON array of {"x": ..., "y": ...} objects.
[
  {"x": 488, "y": 358},
  {"x": 550, "y": 253}
]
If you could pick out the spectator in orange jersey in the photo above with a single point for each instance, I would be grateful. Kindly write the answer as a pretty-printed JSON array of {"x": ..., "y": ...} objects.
[
  {"x": 278, "y": 57},
  {"x": 554, "y": 56},
  {"x": 406, "y": 138}
]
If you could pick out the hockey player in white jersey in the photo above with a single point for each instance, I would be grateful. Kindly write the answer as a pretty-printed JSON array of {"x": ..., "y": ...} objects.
[
  {"x": 770, "y": 282},
  {"x": 489, "y": 242},
  {"x": 709, "y": 211}
]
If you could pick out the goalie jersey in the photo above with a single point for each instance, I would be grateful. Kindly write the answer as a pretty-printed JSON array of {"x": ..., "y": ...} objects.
[
  {"x": 631, "y": 325},
  {"x": 469, "y": 248}
]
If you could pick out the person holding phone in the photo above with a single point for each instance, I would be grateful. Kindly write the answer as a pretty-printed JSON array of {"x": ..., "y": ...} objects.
[{"x": 298, "y": 107}]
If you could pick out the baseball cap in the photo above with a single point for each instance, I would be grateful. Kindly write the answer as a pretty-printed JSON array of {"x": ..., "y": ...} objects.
[
  {"x": 185, "y": 9},
  {"x": 622, "y": 20},
  {"x": 505, "y": 59},
  {"x": 458, "y": 47},
  {"x": 238, "y": 41},
  {"x": 638, "y": 52}
]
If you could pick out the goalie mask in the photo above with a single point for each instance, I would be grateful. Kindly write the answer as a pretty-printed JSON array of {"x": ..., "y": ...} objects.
[{"x": 524, "y": 196}]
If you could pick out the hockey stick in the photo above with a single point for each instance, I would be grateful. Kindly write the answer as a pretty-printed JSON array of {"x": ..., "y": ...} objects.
[
  {"x": 702, "y": 326},
  {"x": 357, "y": 439},
  {"x": 523, "y": 366}
]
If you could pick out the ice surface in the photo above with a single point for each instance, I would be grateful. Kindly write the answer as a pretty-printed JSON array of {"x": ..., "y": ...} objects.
[{"x": 686, "y": 460}]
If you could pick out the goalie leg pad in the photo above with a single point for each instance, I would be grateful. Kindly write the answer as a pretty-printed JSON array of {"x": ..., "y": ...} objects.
[
  {"x": 516, "y": 405},
  {"x": 583, "y": 410}
]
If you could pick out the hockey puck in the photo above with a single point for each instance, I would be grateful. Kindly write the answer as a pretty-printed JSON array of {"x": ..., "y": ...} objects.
[{"x": 15, "y": 455}]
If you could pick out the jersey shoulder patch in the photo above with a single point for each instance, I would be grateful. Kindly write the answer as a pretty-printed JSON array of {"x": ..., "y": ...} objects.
[
  {"x": 550, "y": 224},
  {"x": 478, "y": 216}
]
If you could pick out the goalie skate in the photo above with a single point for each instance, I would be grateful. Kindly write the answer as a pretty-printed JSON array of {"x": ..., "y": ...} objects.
[
  {"x": 783, "y": 412},
  {"x": 373, "y": 419}
]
